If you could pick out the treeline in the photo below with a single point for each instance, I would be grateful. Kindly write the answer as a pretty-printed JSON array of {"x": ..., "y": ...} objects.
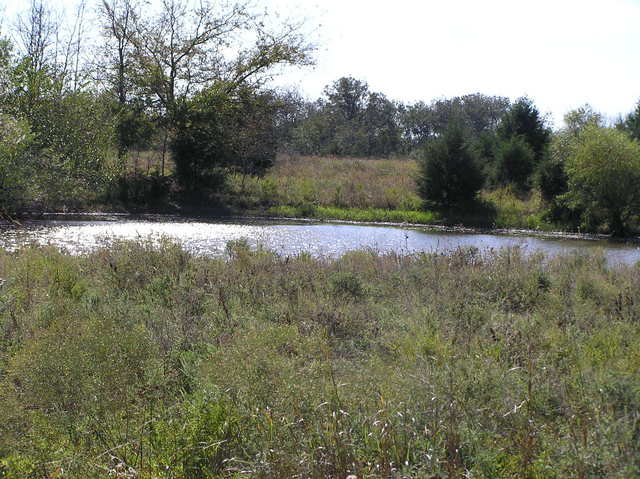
[
  {"x": 351, "y": 120},
  {"x": 183, "y": 80},
  {"x": 587, "y": 172}
]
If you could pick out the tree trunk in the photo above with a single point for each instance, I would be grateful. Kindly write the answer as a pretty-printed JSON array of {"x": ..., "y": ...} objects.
[{"x": 616, "y": 224}]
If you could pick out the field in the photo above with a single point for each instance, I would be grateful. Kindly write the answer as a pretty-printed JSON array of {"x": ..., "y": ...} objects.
[
  {"x": 143, "y": 361},
  {"x": 362, "y": 189}
]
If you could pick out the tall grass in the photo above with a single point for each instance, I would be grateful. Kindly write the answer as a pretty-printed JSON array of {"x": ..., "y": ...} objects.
[
  {"x": 143, "y": 361},
  {"x": 515, "y": 210},
  {"x": 332, "y": 182},
  {"x": 380, "y": 190}
]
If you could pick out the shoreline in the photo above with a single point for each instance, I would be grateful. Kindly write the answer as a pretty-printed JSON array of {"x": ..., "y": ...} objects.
[{"x": 461, "y": 229}]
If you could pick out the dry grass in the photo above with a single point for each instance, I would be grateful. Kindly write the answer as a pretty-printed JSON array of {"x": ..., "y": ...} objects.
[{"x": 332, "y": 181}]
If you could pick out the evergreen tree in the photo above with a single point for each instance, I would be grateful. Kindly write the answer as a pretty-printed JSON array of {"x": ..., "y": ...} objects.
[
  {"x": 514, "y": 163},
  {"x": 631, "y": 124},
  {"x": 449, "y": 175},
  {"x": 523, "y": 119},
  {"x": 524, "y": 140}
]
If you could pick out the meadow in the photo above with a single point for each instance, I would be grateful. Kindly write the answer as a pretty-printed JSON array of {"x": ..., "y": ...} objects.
[
  {"x": 141, "y": 360},
  {"x": 372, "y": 190}
]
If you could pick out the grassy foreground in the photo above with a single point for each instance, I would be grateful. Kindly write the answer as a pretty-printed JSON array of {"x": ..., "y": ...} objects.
[
  {"x": 143, "y": 361},
  {"x": 374, "y": 190}
]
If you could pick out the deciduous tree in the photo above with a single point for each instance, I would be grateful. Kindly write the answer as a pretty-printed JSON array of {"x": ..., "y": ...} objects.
[{"x": 604, "y": 176}]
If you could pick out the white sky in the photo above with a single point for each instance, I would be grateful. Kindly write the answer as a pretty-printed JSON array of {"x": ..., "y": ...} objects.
[{"x": 561, "y": 53}]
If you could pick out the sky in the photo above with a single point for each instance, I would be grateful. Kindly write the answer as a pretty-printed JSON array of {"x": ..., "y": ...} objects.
[{"x": 560, "y": 53}]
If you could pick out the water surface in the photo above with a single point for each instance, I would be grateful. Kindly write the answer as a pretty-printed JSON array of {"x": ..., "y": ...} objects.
[{"x": 326, "y": 239}]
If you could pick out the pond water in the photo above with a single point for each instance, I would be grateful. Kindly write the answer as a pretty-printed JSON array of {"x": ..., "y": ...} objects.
[{"x": 209, "y": 237}]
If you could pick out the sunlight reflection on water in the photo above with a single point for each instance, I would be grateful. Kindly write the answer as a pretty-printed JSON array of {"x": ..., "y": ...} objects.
[{"x": 210, "y": 238}]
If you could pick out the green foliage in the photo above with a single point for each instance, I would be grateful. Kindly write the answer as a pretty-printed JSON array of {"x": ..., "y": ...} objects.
[
  {"x": 350, "y": 121},
  {"x": 449, "y": 173},
  {"x": 604, "y": 176},
  {"x": 347, "y": 284},
  {"x": 522, "y": 145},
  {"x": 551, "y": 178},
  {"x": 218, "y": 133},
  {"x": 135, "y": 129},
  {"x": 140, "y": 360},
  {"x": 631, "y": 123},
  {"x": 580, "y": 118},
  {"x": 196, "y": 442},
  {"x": 524, "y": 120},
  {"x": 477, "y": 113},
  {"x": 355, "y": 214},
  {"x": 16, "y": 168},
  {"x": 551, "y": 175},
  {"x": 513, "y": 209},
  {"x": 514, "y": 163},
  {"x": 72, "y": 136}
]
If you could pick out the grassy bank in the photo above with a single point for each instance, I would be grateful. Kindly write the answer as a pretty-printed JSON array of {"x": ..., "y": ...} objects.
[
  {"x": 354, "y": 214},
  {"x": 143, "y": 361},
  {"x": 371, "y": 190}
]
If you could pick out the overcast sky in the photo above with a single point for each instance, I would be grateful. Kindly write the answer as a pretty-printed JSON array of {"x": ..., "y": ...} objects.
[{"x": 561, "y": 53}]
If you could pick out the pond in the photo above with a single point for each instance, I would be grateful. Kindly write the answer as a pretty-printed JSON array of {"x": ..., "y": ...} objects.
[{"x": 209, "y": 237}]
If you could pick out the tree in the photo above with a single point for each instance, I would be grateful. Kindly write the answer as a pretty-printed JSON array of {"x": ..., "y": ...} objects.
[
  {"x": 345, "y": 105},
  {"x": 551, "y": 176},
  {"x": 115, "y": 69},
  {"x": 118, "y": 19},
  {"x": 449, "y": 175},
  {"x": 577, "y": 120},
  {"x": 604, "y": 176},
  {"x": 416, "y": 125},
  {"x": 291, "y": 110},
  {"x": 380, "y": 122},
  {"x": 71, "y": 131},
  {"x": 631, "y": 124},
  {"x": 219, "y": 132},
  {"x": 37, "y": 31},
  {"x": 314, "y": 133},
  {"x": 514, "y": 163},
  {"x": 483, "y": 113},
  {"x": 476, "y": 112},
  {"x": 183, "y": 49},
  {"x": 524, "y": 119},
  {"x": 15, "y": 168},
  {"x": 521, "y": 130}
]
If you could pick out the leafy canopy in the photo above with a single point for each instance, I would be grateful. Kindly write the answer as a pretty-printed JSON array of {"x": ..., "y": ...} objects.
[{"x": 604, "y": 176}]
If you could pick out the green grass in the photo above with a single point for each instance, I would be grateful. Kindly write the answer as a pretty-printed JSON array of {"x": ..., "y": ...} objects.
[
  {"x": 141, "y": 360},
  {"x": 354, "y": 214},
  {"x": 518, "y": 211}
]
